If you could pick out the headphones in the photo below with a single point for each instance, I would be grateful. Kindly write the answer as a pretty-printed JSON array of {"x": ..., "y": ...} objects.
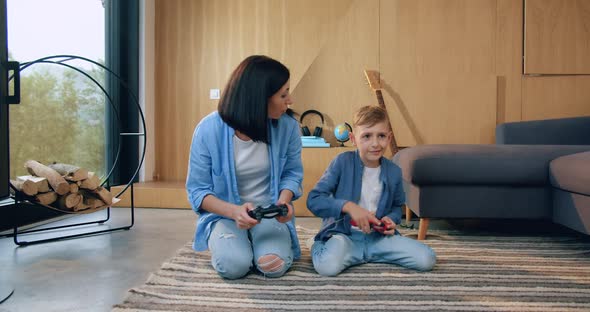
[{"x": 305, "y": 130}]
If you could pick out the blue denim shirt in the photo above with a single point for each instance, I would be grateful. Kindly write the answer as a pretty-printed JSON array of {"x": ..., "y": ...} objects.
[
  {"x": 211, "y": 170},
  {"x": 342, "y": 182}
]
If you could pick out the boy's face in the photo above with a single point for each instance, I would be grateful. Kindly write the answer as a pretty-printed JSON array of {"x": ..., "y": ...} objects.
[{"x": 371, "y": 142}]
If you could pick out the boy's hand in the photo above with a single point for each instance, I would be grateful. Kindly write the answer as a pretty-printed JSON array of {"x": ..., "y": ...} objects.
[
  {"x": 361, "y": 216},
  {"x": 289, "y": 215},
  {"x": 388, "y": 226},
  {"x": 243, "y": 220}
]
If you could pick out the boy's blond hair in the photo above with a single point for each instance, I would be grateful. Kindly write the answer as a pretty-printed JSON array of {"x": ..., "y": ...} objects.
[{"x": 369, "y": 116}]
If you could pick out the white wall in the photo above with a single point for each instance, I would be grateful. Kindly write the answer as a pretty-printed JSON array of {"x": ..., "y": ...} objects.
[{"x": 146, "y": 84}]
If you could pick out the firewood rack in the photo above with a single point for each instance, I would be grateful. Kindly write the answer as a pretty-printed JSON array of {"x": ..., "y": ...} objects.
[{"x": 21, "y": 201}]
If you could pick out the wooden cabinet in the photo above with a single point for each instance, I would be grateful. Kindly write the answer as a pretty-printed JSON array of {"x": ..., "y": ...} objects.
[
  {"x": 315, "y": 162},
  {"x": 556, "y": 64},
  {"x": 557, "y": 37},
  {"x": 163, "y": 194},
  {"x": 546, "y": 97}
]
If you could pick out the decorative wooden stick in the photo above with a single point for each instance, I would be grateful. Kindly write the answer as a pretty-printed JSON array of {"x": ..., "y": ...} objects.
[
  {"x": 91, "y": 183},
  {"x": 74, "y": 187},
  {"x": 57, "y": 182},
  {"x": 104, "y": 195},
  {"x": 70, "y": 172},
  {"x": 69, "y": 201},
  {"x": 92, "y": 202},
  {"x": 46, "y": 198},
  {"x": 40, "y": 182},
  {"x": 81, "y": 206},
  {"x": 28, "y": 187},
  {"x": 100, "y": 193},
  {"x": 374, "y": 80}
]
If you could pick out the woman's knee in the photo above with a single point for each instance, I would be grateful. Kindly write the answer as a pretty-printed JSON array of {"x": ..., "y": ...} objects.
[
  {"x": 272, "y": 265},
  {"x": 231, "y": 267}
]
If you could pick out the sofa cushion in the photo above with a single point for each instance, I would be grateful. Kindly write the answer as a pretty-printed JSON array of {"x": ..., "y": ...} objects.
[
  {"x": 481, "y": 164},
  {"x": 571, "y": 173}
]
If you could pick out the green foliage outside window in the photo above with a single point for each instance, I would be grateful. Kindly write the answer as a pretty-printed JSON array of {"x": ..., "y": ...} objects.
[{"x": 61, "y": 118}]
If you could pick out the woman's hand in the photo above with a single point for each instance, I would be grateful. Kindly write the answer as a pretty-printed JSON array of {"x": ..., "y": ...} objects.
[
  {"x": 361, "y": 216},
  {"x": 289, "y": 216},
  {"x": 243, "y": 220},
  {"x": 284, "y": 199}
]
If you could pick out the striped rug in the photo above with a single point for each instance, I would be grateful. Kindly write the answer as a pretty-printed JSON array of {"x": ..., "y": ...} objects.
[{"x": 473, "y": 273}]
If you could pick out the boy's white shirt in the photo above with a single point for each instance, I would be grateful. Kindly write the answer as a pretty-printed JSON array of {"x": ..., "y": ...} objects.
[{"x": 371, "y": 190}]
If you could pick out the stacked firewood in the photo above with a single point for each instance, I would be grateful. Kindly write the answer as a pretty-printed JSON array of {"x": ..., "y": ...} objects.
[{"x": 63, "y": 186}]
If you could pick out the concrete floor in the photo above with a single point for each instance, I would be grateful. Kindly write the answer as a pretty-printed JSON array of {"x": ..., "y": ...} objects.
[{"x": 94, "y": 273}]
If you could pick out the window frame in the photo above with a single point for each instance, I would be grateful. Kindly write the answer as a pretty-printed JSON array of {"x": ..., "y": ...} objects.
[{"x": 122, "y": 27}]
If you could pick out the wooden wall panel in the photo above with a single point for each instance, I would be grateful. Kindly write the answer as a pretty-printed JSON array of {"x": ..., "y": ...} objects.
[
  {"x": 334, "y": 83},
  {"x": 435, "y": 56},
  {"x": 177, "y": 96},
  {"x": 199, "y": 42},
  {"x": 440, "y": 110},
  {"x": 549, "y": 97},
  {"x": 509, "y": 60},
  {"x": 557, "y": 36},
  {"x": 429, "y": 36},
  {"x": 451, "y": 69}
]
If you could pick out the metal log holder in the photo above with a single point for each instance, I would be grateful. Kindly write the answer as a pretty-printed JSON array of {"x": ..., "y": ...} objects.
[{"x": 20, "y": 200}]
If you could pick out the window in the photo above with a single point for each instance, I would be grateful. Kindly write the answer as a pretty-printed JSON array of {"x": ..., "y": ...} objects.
[{"x": 61, "y": 117}]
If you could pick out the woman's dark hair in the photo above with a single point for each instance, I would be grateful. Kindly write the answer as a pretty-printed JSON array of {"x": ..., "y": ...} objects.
[{"x": 244, "y": 101}]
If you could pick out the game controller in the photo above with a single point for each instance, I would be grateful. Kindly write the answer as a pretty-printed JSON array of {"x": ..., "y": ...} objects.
[
  {"x": 268, "y": 212},
  {"x": 374, "y": 226}
]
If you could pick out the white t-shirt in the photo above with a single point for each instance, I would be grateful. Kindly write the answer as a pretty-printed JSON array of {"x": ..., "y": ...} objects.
[
  {"x": 252, "y": 171},
  {"x": 371, "y": 190}
]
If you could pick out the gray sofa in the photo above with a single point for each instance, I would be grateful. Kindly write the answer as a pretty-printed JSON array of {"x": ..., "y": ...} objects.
[{"x": 536, "y": 170}]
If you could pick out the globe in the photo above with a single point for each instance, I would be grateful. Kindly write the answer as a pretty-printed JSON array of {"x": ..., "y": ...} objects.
[{"x": 341, "y": 133}]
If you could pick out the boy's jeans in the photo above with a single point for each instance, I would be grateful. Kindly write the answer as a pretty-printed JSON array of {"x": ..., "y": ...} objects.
[
  {"x": 234, "y": 251},
  {"x": 341, "y": 251}
]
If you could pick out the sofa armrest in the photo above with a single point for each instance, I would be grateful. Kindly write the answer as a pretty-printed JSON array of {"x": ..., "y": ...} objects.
[{"x": 561, "y": 131}]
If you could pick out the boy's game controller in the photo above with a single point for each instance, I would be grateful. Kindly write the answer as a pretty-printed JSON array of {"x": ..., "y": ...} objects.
[
  {"x": 376, "y": 226},
  {"x": 268, "y": 212}
]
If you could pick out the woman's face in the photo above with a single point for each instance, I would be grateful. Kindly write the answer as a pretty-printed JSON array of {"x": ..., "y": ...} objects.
[{"x": 279, "y": 102}]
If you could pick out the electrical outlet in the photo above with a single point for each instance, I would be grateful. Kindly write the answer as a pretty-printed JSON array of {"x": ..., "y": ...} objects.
[{"x": 214, "y": 94}]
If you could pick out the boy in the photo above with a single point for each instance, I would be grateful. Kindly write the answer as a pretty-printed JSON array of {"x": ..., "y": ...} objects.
[{"x": 364, "y": 188}]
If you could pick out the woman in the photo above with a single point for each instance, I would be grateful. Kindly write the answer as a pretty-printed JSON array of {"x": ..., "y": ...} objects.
[{"x": 244, "y": 155}]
